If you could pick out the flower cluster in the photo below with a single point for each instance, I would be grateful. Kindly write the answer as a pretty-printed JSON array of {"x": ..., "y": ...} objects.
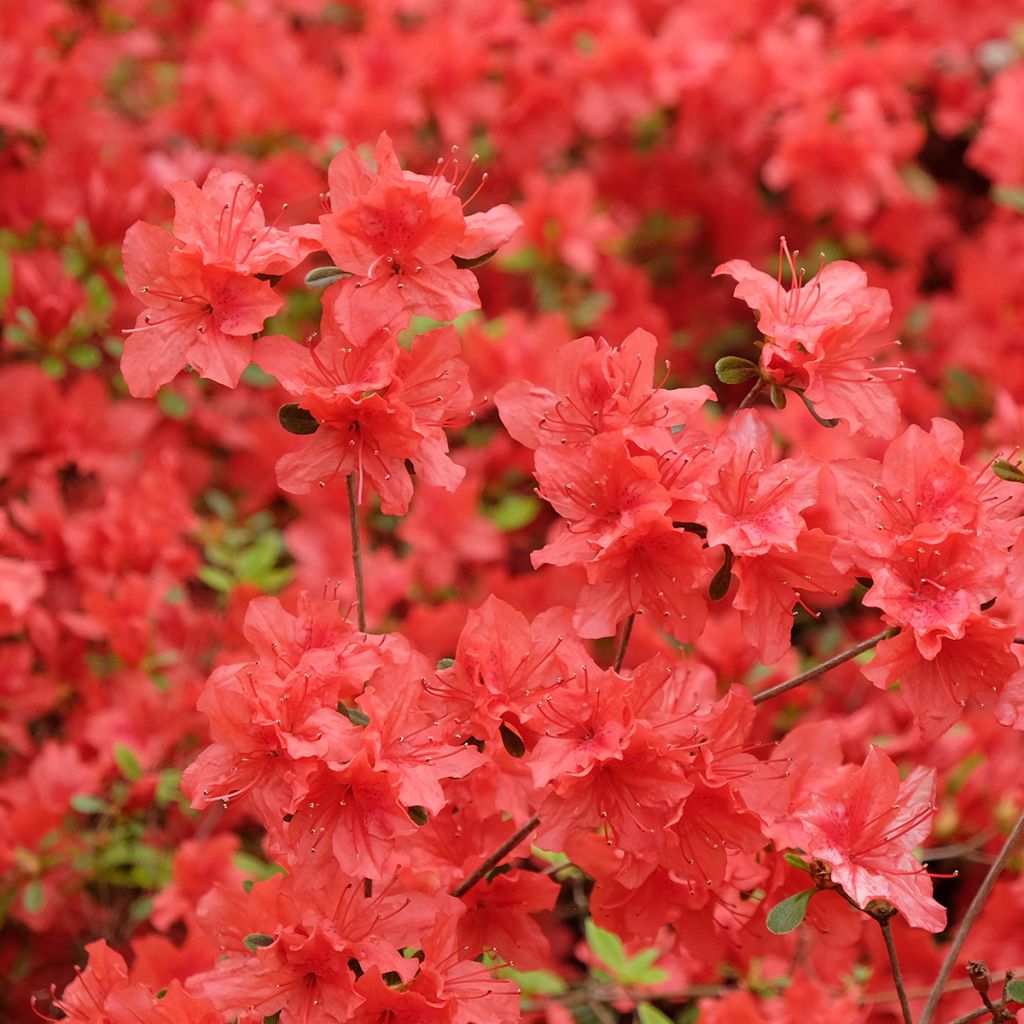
[{"x": 444, "y": 648}]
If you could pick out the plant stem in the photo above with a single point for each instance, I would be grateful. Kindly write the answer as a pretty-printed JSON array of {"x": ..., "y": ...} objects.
[
  {"x": 973, "y": 911},
  {"x": 751, "y": 395},
  {"x": 826, "y": 666},
  {"x": 973, "y": 1015},
  {"x": 897, "y": 974},
  {"x": 627, "y": 631},
  {"x": 497, "y": 857},
  {"x": 357, "y": 550}
]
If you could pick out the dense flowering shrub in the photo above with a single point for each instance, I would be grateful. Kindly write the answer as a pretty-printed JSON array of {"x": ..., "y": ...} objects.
[{"x": 427, "y": 595}]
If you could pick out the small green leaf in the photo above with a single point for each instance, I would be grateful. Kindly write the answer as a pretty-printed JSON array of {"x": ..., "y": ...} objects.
[
  {"x": 127, "y": 762},
  {"x": 735, "y": 370},
  {"x": 513, "y": 512},
  {"x": 445, "y": 663},
  {"x": 168, "y": 787},
  {"x": 33, "y": 896},
  {"x": 788, "y": 914},
  {"x": 649, "y": 1014},
  {"x": 417, "y": 814},
  {"x": 1009, "y": 196},
  {"x": 256, "y": 866},
  {"x": 86, "y": 803},
  {"x": 297, "y": 420},
  {"x": 259, "y": 557},
  {"x": 1008, "y": 471},
  {"x": 778, "y": 397},
  {"x": 606, "y": 946},
  {"x": 536, "y": 983},
  {"x": 1014, "y": 991},
  {"x": 719, "y": 586},
  {"x": 814, "y": 412},
  {"x": 640, "y": 969},
  {"x": 322, "y": 277},
  {"x": 474, "y": 261},
  {"x": 355, "y": 715},
  {"x": 172, "y": 404},
  {"x": 257, "y": 940},
  {"x": 514, "y": 745},
  {"x": 85, "y": 357},
  {"x": 797, "y": 861},
  {"x": 216, "y": 579}
]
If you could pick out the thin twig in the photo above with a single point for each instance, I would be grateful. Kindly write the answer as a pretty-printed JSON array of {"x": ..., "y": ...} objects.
[
  {"x": 751, "y": 395},
  {"x": 627, "y": 631},
  {"x": 897, "y": 974},
  {"x": 825, "y": 666},
  {"x": 973, "y": 911},
  {"x": 497, "y": 857},
  {"x": 973, "y": 1015},
  {"x": 357, "y": 550}
]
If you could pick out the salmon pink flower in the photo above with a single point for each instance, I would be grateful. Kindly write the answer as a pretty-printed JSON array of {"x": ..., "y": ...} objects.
[
  {"x": 865, "y": 825},
  {"x": 224, "y": 223},
  {"x": 399, "y": 233},
  {"x": 599, "y": 387},
  {"x": 198, "y": 315},
  {"x": 820, "y": 338},
  {"x": 377, "y": 405}
]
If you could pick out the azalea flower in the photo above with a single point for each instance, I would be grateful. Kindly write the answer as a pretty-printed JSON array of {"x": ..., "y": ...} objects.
[
  {"x": 865, "y": 825},
  {"x": 820, "y": 338}
]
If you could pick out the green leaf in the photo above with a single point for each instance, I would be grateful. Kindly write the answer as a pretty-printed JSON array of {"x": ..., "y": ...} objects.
[
  {"x": 172, "y": 404},
  {"x": 1008, "y": 471},
  {"x": 1014, "y": 991},
  {"x": 735, "y": 370},
  {"x": 257, "y": 940},
  {"x": 322, "y": 277},
  {"x": 168, "y": 787},
  {"x": 259, "y": 557},
  {"x": 536, "y": 983},
  {"x": 1010, "y": 196},
  {"x": 474, "y": 261},
  {"x": 297, "y": 420},
  {"x": 127, "y": 762},
  {"x": 719, "y": 586},
  {"x": 85, "y": 357},
  {"x": 797, "y": 861},
  {"x": 418, "y": 814},
  {"x": 355, "y": 715},
  {"x": 514, "y": 745},
  {"x": 814, "y": 412},
  {"x": 86, "y": 803},
  {"x": 640, "y": 969},
  {"x": 33, "y": 896},
  {"x": 513, "y": 512},
  {"x": 445, "y": 663},
  {"x": 649, "y": 1014},
  {"x": 788, "y": 914},
  {"x": 606, "y": 946},
  {"x": 260, "y": 869},
  {"x": 216, "y": 579},
  {"x": 778, "y": 397}
]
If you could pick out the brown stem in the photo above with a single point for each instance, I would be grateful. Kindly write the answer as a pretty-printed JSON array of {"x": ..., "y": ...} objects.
[
  {"x": 897, "y": 974},
  {"x": 357, "y": 550},
  {"x": 497, "y": 857},
  {"x": 627, "y": 631},
  {"x": 973, "y": 1015},
  {"x": 825, "y": 666},
  {"x": 973, "y": 911},
  {"x": 751, "y": 395}
]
